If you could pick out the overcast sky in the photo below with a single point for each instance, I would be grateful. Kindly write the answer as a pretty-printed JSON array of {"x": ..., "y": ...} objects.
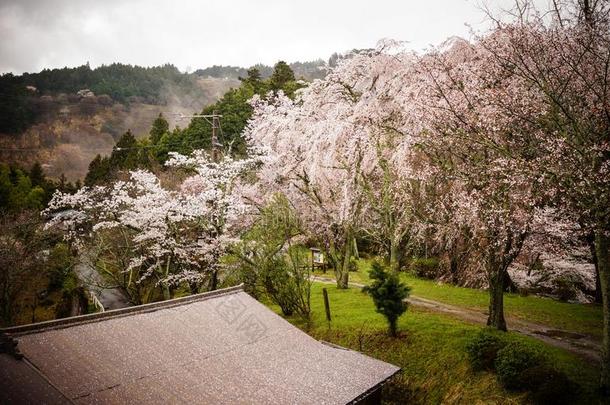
[{"x": 191, "y": 34}]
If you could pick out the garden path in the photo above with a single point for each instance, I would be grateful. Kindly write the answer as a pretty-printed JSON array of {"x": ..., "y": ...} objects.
[{"x": 582, "y": 345}]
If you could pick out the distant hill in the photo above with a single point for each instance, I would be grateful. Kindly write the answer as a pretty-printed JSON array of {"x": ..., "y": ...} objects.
[
  {"x": 302, "y": 70},
  {"x": 63, "y": 118},
  {"x": 126, "y": 84}
]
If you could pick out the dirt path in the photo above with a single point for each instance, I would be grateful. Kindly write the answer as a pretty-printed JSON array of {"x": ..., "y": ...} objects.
[
  {"x": 581, "y": 345},
  {"x": 110, "y": 298}
]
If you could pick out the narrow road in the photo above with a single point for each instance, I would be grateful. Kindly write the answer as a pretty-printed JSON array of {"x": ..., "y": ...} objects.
[
  {"x": 579, "y": 344},
  {"x": 109, "y": 297}
]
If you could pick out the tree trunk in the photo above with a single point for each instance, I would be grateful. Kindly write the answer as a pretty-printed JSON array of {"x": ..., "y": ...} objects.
[
  {"x": 392, "y": 327},
  {"x": 496, "y": 298},
  {"x": 394, "y": 255},
  {"x": 509, "y": 285},
  {"x": 598, "y": 288},
  {"x": 602, "y": 242},
  {"x": 343, "y": 271}
]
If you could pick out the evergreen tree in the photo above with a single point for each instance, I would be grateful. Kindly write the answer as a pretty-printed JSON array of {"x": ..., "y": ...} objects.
[
  {"x": 99, "y": 171},
  {"x": 160, "y": 126},
  {"x": 254, "y": 79},
  {"x": 23, "y": 196},
  {"x": 235, "y": 111},
  {"x": 5, "y": 186},
  {"x": 37, "y": 175},
  {"x": 388, "y": 293},
  {"x": 124, "y": 155},
  {"x": 282, "y": 74}
]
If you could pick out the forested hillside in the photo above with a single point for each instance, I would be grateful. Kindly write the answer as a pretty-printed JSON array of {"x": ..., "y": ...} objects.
[{"x": 63, "y": 118}]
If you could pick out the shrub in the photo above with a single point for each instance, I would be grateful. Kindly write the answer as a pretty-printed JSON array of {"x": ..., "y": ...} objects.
[
  {"x": 512, "y": 362},
  {"x": 483, "y": 349},
  {"x": 425, "y": 267},
  {"x": 388, "y": 293},
  {"x": 270, "y": 264},
  {"x": 59, "y": 265},
  {"x": 548, "y": 385},
  {"x": 565, "y": 289},
  {"x": 353, "y": 265}
]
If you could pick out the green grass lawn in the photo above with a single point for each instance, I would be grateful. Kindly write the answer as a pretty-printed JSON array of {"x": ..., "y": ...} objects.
[
  {"x": 582, "y": 318},
  {"x": 430, "y": 350}
]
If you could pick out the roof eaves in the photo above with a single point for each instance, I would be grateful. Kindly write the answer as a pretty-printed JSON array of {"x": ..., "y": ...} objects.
[
  {"x": 371, "y": 390},
  {"x": 117, "y": 313}
]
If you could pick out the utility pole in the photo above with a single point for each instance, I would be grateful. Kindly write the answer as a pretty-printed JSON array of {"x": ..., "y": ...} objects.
[{"x": 216, "y": 145}]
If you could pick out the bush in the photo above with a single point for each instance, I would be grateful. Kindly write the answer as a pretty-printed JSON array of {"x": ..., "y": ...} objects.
[
  {"x": 565, "y": 289},
  {"x": 548, "y": 385},
  {"x": 512, "y": 362},
  {"x": 59, "y": 265},
  {"x": 425, "y": 267},
  {"x": 483, "y": 349}
]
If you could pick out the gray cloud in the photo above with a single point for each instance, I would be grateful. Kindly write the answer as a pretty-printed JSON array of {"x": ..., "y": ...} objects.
[{"x": 35, "y": 34}]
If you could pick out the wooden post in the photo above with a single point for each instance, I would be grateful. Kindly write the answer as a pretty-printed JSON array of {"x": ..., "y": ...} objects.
[
  {"x": 312, "y": 267},
  {"x": 326, "y": 305}
]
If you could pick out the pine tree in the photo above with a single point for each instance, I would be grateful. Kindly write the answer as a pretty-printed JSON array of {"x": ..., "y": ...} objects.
[
  {"x": 99, "y": 171},
  {"x": 37, "y": 175},
  {"x": 160, "y": 126},
  {"x": 282, "y": 74},
  {"x": 388, "y": 293},
  {"x": 125, "y": 153}
]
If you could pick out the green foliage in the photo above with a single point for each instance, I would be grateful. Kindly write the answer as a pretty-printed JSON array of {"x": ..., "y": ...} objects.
[
  {"x": 282, "y": 74},
  {"x": 219, "y": 71},
  {"x": 16, "y": 113},
  {"x": 23, "y": 190},
  {"x": 425, "y": 267},
  {"x": 117, "y": 80},
  {"x": 235, "y": 111},
  {"x": 123, "y": 83},
  {"x": 432, "y": 356},
  {"x": 519, "y": 367},
  {"x": 388, "y": 294},
  {"x": 270, "y": 265},
  {"x": 565, "y": 288},
  {"x": 59, "y": 267},
  {"x": 483, "y": 349},
  {"x": 549, "y": 385},
  {"x": 24, "y": 275},
  {"x": 512, "y": 361},
  {"x": 127, "y": 154},
  {"x": 124, "y": 153},
  {"x": 159, "y": 128},
  {"x": 99, "y": 171},
  {"x": 308, "y": 70}
]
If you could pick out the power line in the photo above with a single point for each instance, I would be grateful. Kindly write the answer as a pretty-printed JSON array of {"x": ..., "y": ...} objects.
[{"x": 215, "y": 142}]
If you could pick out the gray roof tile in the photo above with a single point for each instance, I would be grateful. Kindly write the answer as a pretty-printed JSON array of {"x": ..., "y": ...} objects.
[{"x": 223, "y": 347}]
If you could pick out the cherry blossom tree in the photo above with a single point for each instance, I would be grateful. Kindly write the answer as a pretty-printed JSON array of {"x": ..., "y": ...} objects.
[
  {"x": 302, "y": 164},
  {"x": 340, "y": 153},
  {"x": 477, "y": 117},
  {"x": 565, "y": 60},
  {"x": 175, "y": 236}
]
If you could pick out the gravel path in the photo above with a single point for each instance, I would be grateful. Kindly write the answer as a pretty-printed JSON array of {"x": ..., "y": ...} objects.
[{"x": 579, "y": 344}]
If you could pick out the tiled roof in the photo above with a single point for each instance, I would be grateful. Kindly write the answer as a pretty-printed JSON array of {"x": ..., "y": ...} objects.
[{"x": 218, "y": 347}]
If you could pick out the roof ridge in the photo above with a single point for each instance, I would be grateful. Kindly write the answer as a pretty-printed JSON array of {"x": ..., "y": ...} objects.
[{"x": 117, "y": 313}]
